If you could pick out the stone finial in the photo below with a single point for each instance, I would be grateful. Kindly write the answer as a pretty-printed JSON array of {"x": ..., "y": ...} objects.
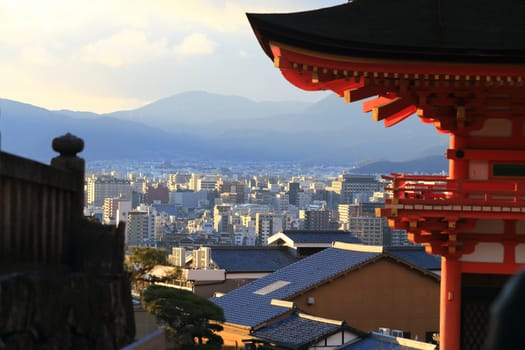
[{"x": 68, "y": 145}]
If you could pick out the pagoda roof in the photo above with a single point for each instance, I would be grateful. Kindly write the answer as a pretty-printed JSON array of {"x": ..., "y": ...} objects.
[{"x": 481, "y": 31}]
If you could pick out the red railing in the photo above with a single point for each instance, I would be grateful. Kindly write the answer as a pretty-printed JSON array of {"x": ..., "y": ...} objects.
[{"x": 431, "y": 190}]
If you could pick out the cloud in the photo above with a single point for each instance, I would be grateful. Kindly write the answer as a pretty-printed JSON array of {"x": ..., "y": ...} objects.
[
  {"x": 30, "y": 87},
  {"x": 196, "y": 44},
  {"x": 69, "y": 54},
  {"x": 37, "y": 55},
  {"x": 123, "y": 48},
  {"x": 224, "y": 16}
]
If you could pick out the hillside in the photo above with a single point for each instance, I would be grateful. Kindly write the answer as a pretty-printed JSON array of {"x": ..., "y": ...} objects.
[{"x": 210, "y": 126}]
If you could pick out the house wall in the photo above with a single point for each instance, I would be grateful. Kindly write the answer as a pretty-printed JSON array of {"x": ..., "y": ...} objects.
[
  {"x": 334, "y": 341},
  {"x": 380, "y": 294},
  {"x": 233, "y": 336},
  {"x": 145, "y": 323}
]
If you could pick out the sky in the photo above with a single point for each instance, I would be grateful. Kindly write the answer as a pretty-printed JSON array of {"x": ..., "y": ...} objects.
[{"x": 108, "y": 55}]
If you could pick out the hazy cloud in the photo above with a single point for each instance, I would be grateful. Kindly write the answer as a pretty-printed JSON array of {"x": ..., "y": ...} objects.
[
  {"x": 196, "y": 44},
  {"x": 38, "y": 55},
  {"x": 73, "y": 52},
  {"x": 126, "y": 47}
]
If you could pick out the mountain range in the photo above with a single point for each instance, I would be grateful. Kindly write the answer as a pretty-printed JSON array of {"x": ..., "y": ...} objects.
[{"x": 211, "y": 126}]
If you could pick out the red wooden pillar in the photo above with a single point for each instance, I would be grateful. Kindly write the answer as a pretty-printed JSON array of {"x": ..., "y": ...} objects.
[
  {"x": 450, "y": 294},
  {"x": 450, "y": 305},
  {"x": 458, "y": 167}
]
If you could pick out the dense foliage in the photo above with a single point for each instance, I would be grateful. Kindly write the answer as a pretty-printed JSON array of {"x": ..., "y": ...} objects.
[
  {"x": 142, "y": 260},
  {"x": 191, "y": 321},
  {"x": 145, "y": 258}
]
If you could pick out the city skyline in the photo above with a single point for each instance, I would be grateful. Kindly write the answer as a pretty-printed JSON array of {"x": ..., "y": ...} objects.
[{"x": 101, "y": 57}]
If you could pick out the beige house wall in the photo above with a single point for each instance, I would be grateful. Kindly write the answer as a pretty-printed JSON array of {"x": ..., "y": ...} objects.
[
  {"x": 384, "y": 293},
  {"x": 233, "y": 336}
]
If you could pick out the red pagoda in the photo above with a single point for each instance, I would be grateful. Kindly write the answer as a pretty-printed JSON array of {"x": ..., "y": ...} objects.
[{"x": 460, "y": 66}]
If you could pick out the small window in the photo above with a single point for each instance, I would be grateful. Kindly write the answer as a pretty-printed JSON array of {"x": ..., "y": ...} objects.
[{"x": 513, "y": 170}]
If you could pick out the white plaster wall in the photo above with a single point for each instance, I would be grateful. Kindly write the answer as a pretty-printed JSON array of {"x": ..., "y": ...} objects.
[
  {"x": 520, "y": 253},
  {"x": 478, "y": 170},
  {"x": 485, "y": 252}
]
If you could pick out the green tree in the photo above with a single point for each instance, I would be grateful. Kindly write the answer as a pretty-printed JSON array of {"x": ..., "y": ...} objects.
[
  {"x": 142, "y": 260},
  {"x": 187, "y": 317},
  {"x": 145, "y": 258}
]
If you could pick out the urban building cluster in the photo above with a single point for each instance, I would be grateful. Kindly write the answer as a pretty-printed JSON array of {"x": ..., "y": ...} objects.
[{"x": 176, "y": 209}]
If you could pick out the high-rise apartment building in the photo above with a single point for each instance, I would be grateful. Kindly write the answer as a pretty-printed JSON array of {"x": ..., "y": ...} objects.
[
  {"x": 293, "y": 193},
  {"x": 101, "y": 187},
  {"x": 140, "y": 227},
  {"x": 304, "y": 198},
  {"x": 189, "y": 199},
  {"x": 398, "y": 238},
  {"x": 111, "y": 209},
  {"x": 347, "y": 185},
  {"x": 263, "y": 227},
  {"x": 280, "y": 201},
  {"x": 370, "y": 230},
  {"x": 207, "y": 183},
  {"x": 346, "y": 211},
  {"x": 178, "y": 181},
  {"x": 202, "y": 258},
  {"x": 222, "y": 218},
  {"x": 314, "y": 220},
  {"x": 236, "y": 190},
  {"x": 177, "y": 257}
]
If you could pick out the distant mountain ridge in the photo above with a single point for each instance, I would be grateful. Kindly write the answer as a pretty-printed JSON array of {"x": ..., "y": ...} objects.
[
  {"x": 211, "y": 126},
  {"x": 199, "y": 107},
  {"x": 427, "y": 165}
]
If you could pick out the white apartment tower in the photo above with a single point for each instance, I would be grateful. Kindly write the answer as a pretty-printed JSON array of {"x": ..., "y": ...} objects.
[
  {"x": 101, "y": 187},
  {"x": 114, "y": 208},
  {"x": 202, "y": 258},
  {"x": 263, "y": 227},
  {"x": 177, "y": 257},
  {"x": 347, "y": 185},
  {"x": 138, "y": 228},
  {"x": 222, "y": 221}
]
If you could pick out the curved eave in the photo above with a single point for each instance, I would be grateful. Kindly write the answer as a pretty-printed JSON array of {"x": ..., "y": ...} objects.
[
  {"x": 466, "y": 31},
  {"x": 357, "y": 78},
  {"x": 311, "y": 70},
  {"x": 289, "y": 57}
]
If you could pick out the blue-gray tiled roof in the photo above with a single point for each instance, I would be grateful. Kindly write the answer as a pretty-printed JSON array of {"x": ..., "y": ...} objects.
[
  {"x": 251, "y": 259},
  {"x": 321, "y": 237},
  {"x": 249, "y": 305},
  {"x": 296, "y": 331},
  {"x": 416, "y": 256}
]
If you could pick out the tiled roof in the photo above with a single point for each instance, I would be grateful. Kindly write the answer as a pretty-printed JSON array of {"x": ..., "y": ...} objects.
[
  {"x": 416, "y": 256},
  {"x": 321, "y": 237},
  {"x": 243, "y": 306},
  {"x": 297, "y": 330},
  {"x": 443, "y": 33},
  {"x": 251, "y": 259},
  {"x": 378, "y": 341}
]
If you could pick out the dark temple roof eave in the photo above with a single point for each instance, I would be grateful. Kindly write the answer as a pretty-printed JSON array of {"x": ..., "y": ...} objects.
[{"x": 444, "y": 31}]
